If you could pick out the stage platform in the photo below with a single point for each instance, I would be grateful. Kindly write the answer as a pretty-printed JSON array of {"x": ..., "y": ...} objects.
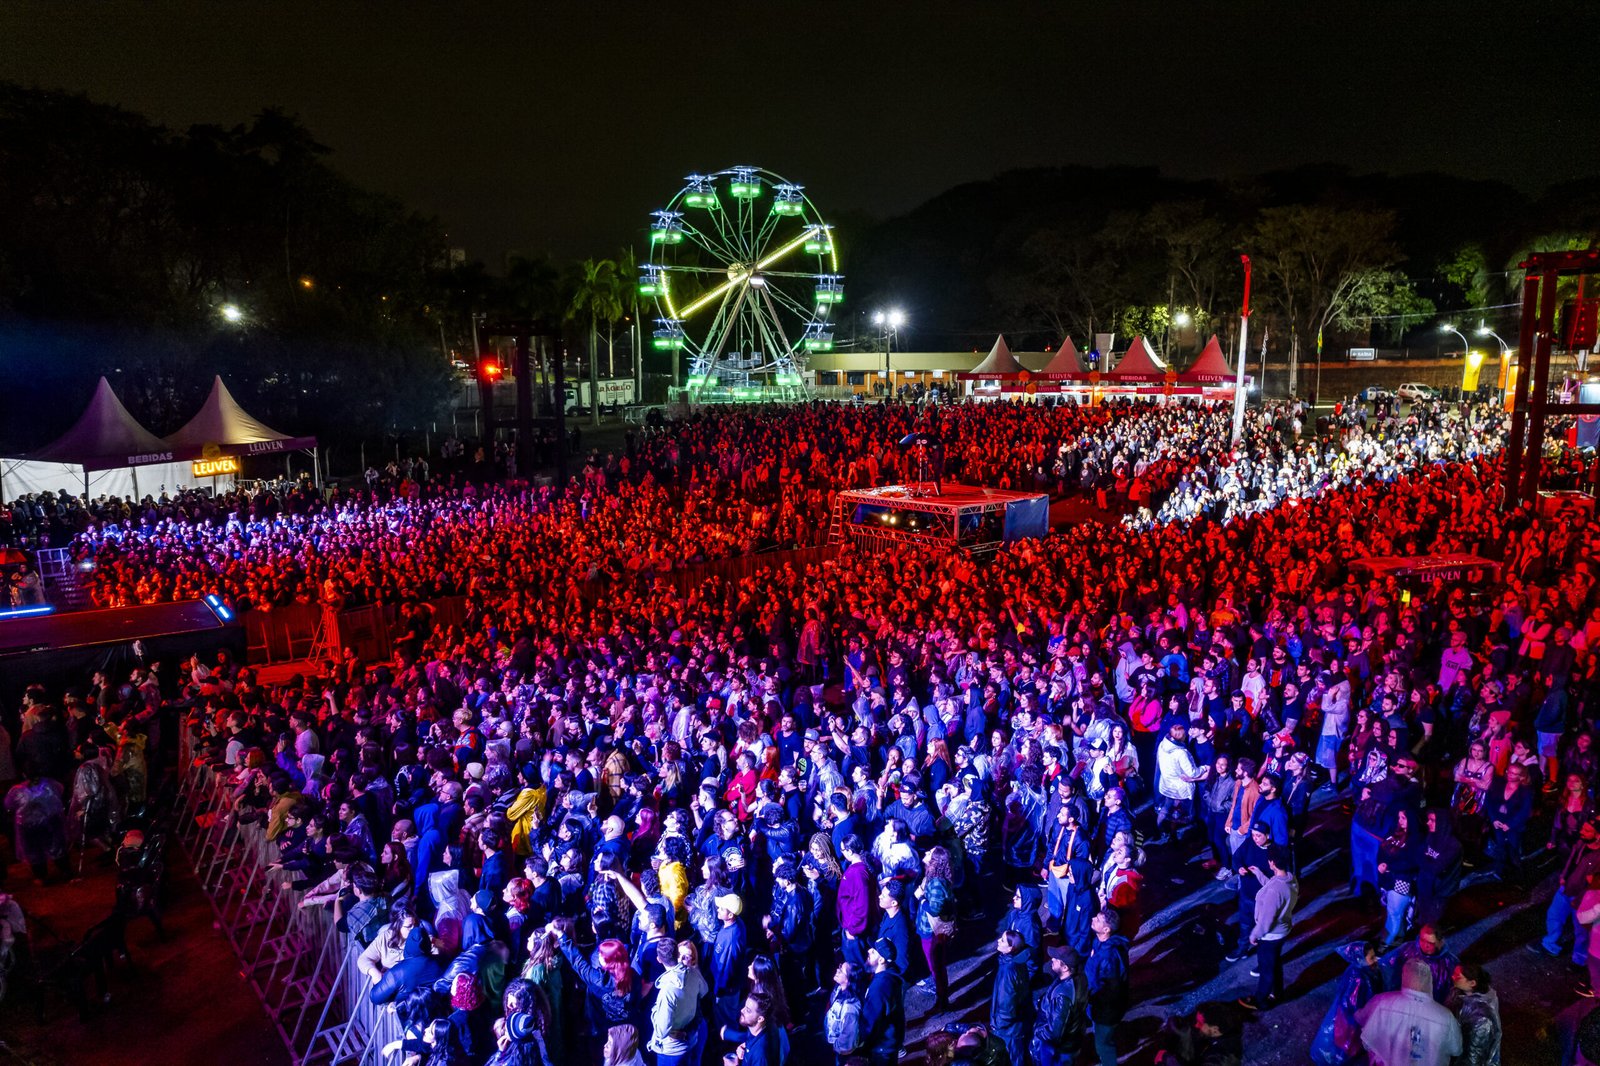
[
  {"x": 946, "y": 496},
  {"x": 63, "y": 649},
  {"x": 976, "y": 518},
  {"x": 108, "y": 625}
]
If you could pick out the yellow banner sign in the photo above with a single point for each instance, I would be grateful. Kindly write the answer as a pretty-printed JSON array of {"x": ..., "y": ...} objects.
[{"x": 227, "y": 464}]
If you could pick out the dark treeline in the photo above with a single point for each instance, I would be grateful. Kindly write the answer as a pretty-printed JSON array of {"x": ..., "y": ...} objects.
[
  {"x": 1049, "y": 252},
  {"x": 121, "y": 243}
]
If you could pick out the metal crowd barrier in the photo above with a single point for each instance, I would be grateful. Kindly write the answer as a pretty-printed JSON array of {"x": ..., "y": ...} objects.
[{"x": 300, "y": 967}]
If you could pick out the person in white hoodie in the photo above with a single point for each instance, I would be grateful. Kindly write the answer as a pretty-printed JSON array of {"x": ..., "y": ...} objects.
[
  {"x": 1335, "y": 721},
  {"x": 676, "y": 1029},
  {"x": 1407, "y": 1027}
]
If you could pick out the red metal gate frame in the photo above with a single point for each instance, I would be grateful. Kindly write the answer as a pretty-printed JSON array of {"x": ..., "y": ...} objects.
[{"x": 1530, "y": 406}]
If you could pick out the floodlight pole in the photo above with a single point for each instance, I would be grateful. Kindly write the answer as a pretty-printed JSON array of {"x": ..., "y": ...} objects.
[{"x": 1244, "y": 341}]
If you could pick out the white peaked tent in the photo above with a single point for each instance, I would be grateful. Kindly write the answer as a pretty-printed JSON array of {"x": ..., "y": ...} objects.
[
  {"x": 998, "y": 365},
  {"x": 222, "y": 428},
  {"x": 223, "y": 425},
  {"x": 105, "y": 453}
]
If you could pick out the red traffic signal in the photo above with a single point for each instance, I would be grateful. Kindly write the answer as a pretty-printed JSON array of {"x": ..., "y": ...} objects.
[{"x": 489, "y": 369}]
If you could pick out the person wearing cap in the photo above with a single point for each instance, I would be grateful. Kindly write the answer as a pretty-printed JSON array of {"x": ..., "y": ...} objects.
[
  {"x": 1063, "y": 1012},
  {"x": 909, "y": 808},
  {"x": 1274, "y": 917},
  {"x": 883, "y": 1007},
  {"x": 1250, "y": 854},
  {"x": 729, "y": 957},
  {"x": 517, "y": 1032}
]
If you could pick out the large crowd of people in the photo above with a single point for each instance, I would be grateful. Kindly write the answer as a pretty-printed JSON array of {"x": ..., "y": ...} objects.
[
  {"x": 615, "y": 818},
  {"x": 709, "y": 487}
]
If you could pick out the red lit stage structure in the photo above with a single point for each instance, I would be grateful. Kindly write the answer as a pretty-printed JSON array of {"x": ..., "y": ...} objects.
[
  {"x": 1531, "y": 407},
  {"x": 952, "y": 516}
]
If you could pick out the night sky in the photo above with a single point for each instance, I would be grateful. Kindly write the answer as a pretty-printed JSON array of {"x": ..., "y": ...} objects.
[{"x": 557, "y": 127}]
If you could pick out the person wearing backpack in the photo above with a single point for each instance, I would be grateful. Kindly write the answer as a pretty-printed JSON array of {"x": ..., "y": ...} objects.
[{"x": 841, "y": 1025}]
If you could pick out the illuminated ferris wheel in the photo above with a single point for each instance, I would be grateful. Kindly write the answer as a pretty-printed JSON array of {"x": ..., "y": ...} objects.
[{"x": 745, "y": 276}]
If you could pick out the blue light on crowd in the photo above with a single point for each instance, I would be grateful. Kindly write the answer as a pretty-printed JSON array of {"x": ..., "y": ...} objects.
[{"x": 215, "y": 603}]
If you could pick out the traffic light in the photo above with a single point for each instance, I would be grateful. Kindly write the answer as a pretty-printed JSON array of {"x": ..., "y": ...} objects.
[{"x": 489, "y": 369}]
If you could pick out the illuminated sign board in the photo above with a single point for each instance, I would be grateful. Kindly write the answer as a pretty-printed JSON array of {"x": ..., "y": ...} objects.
[{"x": 226, "y": 464}]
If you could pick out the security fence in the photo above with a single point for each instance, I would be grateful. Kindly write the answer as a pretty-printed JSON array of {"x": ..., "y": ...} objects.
[{"x": 300, "y": 966}]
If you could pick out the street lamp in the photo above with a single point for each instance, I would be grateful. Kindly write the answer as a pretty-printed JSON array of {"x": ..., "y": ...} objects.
[
  {"x": 1466, "y": 353},
  {"x": 888, "y": 322},
  {"x": 231, "y": 314},
  {"x": 1483, "y": 330}
]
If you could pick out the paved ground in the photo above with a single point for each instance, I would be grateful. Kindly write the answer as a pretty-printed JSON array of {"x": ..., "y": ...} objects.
[{"x": 180, "y": 1000}]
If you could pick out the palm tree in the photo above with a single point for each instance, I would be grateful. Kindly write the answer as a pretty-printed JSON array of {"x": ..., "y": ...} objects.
[
  {"x": 619, "y": 280},
  {"x": 628, "y": 293},
  {"x": 598, "y": 299},
  {"x": 536, "y": 288}
]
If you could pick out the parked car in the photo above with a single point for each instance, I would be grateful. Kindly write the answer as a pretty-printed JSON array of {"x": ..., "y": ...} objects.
[
  {"x": 1416, "y": 391},
  {"x": 1374, "y": 393}
]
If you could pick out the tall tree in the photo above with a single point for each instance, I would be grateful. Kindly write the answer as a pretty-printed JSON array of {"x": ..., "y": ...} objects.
[
  {"x": 1313, "y": 258},
  {"x": 627, "y": 275},
  {"x": 535, "y": 287},
  {"x": 595, "y": 299},
  {"x": 1468, "y": 270},
  {"x": 1194, "y": 240},
  {"x": 1384, "y": 303},
  {"x": 1080, "y": 281},
  {"x": 120, "y": 239}
]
